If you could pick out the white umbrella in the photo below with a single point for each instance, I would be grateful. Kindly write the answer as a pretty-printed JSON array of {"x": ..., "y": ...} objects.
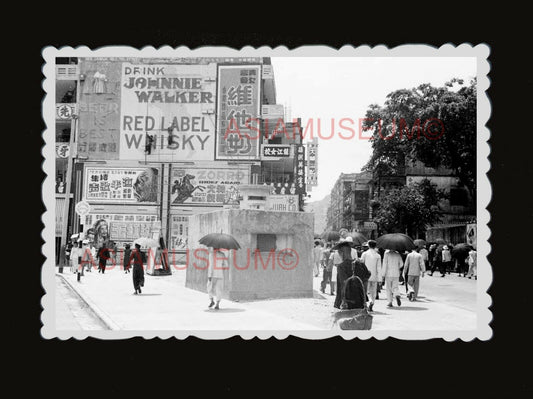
[{"x": 146, "y": 242}]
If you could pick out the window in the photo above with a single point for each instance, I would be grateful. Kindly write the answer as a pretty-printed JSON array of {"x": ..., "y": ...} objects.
[{"x": 266, "y": 242}]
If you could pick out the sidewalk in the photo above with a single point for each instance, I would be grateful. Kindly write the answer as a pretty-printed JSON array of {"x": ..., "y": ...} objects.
[{"x": 166, "y": 304}]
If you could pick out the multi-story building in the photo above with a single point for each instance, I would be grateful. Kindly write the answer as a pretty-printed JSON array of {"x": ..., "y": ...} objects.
[
  {"x": 158, "y": 140},
  {"x": 337, "y": 215}
]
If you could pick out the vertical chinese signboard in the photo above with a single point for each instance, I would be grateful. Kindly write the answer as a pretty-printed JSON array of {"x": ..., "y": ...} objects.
[
  {"x": 312, "y": 162},
  {"x": 299, "y": 169},
  {"x": 238, "y": 112}
]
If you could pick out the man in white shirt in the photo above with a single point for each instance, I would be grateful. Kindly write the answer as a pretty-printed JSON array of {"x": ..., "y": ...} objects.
[
  {"x": 392, "y": 263},
  {"x": 372, "y": 261},
  {"x": 413, "y": 268}
]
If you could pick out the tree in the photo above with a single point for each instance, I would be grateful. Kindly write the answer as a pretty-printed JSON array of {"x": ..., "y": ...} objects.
[
  {"x": 435, "y": 125},
  {"x": 409, "y": 209}
]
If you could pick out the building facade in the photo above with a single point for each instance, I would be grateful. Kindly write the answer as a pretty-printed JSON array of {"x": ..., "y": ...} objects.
[{"x": 154, "y": 141}]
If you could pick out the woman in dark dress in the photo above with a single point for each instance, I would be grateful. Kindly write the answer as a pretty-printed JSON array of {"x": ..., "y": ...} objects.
[
  {"x": 138, "y": 259},
  {"x": 344, "y": 272},
  {"x": 127, "y": 258}
]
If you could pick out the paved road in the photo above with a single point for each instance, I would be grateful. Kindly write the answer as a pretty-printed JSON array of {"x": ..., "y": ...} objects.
[{"x": 71, "y": 312}]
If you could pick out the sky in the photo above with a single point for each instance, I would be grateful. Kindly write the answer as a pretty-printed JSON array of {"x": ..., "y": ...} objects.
[{"x": 328, "y": 89}]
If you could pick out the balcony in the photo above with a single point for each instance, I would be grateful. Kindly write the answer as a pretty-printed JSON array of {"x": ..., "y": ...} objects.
[{"x": 67, "y": 72}]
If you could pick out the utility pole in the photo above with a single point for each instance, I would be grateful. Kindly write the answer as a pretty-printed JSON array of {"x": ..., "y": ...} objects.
[{"x": 64, "y": 227}]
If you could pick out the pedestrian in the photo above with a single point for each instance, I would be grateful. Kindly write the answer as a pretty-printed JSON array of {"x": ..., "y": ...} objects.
[
  {"x": 218, "y": 262},
  {"x": 414, "y": 267},
  {"x": 425, "y": 256},
  {"x": 127, "y": 259},
  {"x": 85, "y": 257},
  {"x": 438, "y": 263},
  {"x": 392, "y": 263},
  {"x": 344, "y": 270},
  {"x": 446, "y": 259},
  {"x": 472, "y": 264},
  {"x": 317, "y": 254},
  {"x": 431, "y": 252},
  {"x": 103, "y": 256},
  {"x": 74, "y": 255},
  {"x": 138, "y": 258},
  {"x": 327, "y": 267},
  {"x": 372, "y": 261}
]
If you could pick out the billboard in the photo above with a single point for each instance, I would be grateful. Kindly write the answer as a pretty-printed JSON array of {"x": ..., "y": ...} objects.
[
  {"x": 99, "y": 111},
  {"x": 238, "y": 112},
  {"x": 299, "y": 169},
  {"x": 275, "y": 152},
  {"x": 174, "y": 104},
  {"x": 207, "y": 186},
  {"x": 121, "y": 185}
]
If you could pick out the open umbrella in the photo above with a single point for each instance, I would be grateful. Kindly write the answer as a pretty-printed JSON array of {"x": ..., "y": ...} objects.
[
  {"x": 441, "y": 241},
  {"x": 419, "y": 243},
  {"x": 331, "y": 236},
  {"x": 358, "y": 238},
  {"x": 396, "y": 241},
  {"x": 220, "y": 240},
  {"x": 342, "y": 243},
  {"x": 146, "y": 242},
  {"x": 461, "y": 249}
]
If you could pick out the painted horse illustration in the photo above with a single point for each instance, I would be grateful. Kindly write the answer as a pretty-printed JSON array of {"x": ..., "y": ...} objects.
[{"x": 184, "y": 188}]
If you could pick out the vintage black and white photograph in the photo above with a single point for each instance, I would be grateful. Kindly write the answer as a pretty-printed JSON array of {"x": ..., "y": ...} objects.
[{"x": 313, "y": 192}]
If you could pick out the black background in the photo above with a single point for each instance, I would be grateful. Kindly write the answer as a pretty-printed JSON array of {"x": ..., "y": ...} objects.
[{"x": 291, "y": 366}]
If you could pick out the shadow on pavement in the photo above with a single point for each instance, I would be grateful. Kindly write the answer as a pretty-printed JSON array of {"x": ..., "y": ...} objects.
[
  {"x": 408, "y": 308},
  {"x": 317, "y": 295},
  {"x": 225, "y": 310},
  {"x": 141, "y": 294}
]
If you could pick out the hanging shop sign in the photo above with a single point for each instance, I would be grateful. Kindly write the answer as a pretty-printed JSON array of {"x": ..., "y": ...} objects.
[
  {"x": 299, "y": 169},
  {"x": 275, "y": 152},
  {"x": 238, "y": 112},
  {"x": 312, "y": 162}
]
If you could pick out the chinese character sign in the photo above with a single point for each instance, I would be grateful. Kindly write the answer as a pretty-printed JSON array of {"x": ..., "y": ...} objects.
[
  {"x": 299, "y": 169},
  {"x": 312, "y": 162},
  {"x": 121, "y": 185},
  {"x": 173, "y": 103},
  {"x": 238, "y": 112},
  {"x": 275, "y": 152},
  {"x": 211, "y": 187}
]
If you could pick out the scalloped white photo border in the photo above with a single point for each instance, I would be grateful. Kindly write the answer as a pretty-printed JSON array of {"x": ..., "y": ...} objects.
[{"x": 481, "y": 52}]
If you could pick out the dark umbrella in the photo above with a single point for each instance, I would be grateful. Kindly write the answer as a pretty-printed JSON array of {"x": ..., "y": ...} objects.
[
  {"x": 358, "y": 238},
  {"x": 461, "y": 249},
  {"x": 331, "y": 236},
  {"x": 396, "y": 241},
  {"x": 441, "y": 241},
  {"x": 341, "y": 244},
  {"x": 220, "y": 240},
  {"x": 419, "y": 242}
]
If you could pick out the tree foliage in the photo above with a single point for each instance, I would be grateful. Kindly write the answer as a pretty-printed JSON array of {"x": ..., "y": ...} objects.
[
  {"x": 407, "y": 128},
  {"x": 409, "y": 209}
]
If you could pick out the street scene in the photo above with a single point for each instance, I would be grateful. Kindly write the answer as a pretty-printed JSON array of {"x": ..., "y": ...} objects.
[{"x": 310, "y": 194}]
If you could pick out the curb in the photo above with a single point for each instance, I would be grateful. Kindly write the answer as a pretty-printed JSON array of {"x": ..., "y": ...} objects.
[{"x": 104, "y": 318}]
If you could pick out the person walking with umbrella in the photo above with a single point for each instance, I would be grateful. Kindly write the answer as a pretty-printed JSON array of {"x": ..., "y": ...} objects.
[
  {"x": 218, "y": 262},
  {"x": 392, "y": 263},
  {"x": 138, "y": 259}
]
